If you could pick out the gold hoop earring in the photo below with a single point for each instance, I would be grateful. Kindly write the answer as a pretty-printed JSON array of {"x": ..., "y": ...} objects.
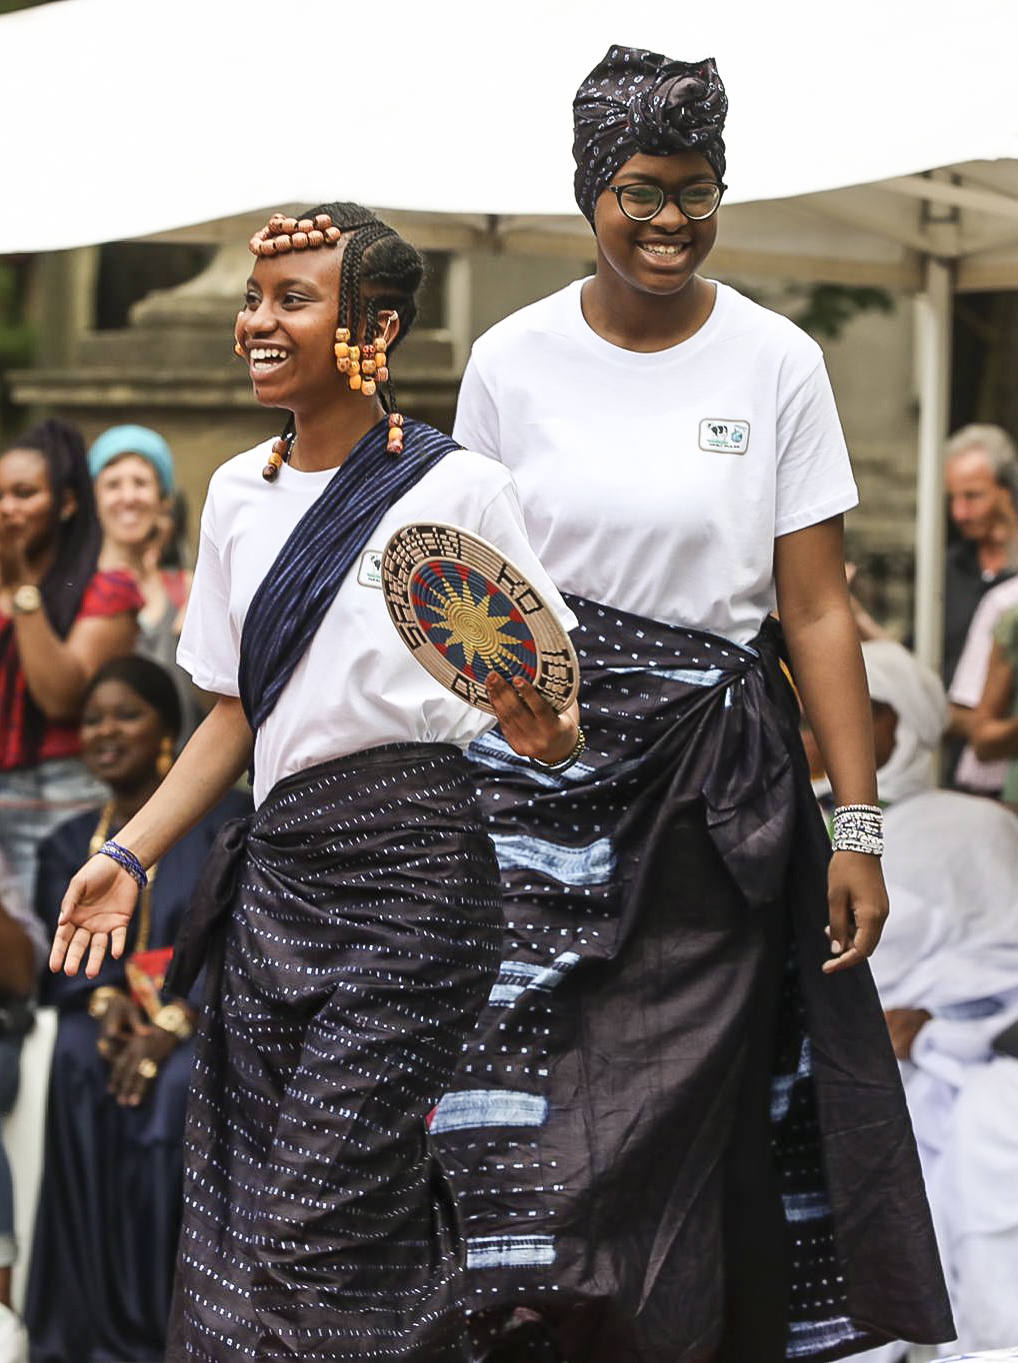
[{"x": 165, "y": 759}]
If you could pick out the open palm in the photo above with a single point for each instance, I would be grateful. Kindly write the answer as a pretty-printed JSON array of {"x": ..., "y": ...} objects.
[{"x": 94, "y": 914}]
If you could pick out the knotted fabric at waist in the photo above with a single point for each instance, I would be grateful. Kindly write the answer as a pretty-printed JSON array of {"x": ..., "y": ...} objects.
[
  {"x": 676, "y": 715},
  {"x": 378, "y": 779}
]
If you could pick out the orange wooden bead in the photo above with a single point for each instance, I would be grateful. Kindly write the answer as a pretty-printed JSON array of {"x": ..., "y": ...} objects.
[
  {"x": 267, "y": 248},
  {"x": 282, "y": 243},
  {"x": 323, "y": 222},
  {"x": 343, "y": 364},
  {"x": 305, "y": 225},
  {"x": 316, "y": 238},
  {"x": 368, "y": 366},
  {"x": 300, "y": 241},
  {"x": 382, "y": 374},
  {"x": 342, "y": 333},
  {"x": 341, "y": 350},
  {"x": 289, "y": 225},
  {"x": 276, "y": 222},
  {"x": 254, "y": 244},
  {"x": 395, "y": 419},
  {"x": 355, "y": 382},
  {"x": 332, "y": 235},
  {"x": 368, "y": 388},
  {"x": 355, "y": 352}
]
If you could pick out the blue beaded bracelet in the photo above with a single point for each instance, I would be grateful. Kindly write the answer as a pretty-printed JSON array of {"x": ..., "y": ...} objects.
[{"x": 126, "y": 859}]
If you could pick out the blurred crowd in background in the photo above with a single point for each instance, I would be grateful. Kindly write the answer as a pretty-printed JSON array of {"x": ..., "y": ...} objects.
[{"x": 93, "y": 584}]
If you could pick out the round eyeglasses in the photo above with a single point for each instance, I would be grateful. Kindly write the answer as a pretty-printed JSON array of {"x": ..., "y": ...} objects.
[{"x": 644, "y": 201}]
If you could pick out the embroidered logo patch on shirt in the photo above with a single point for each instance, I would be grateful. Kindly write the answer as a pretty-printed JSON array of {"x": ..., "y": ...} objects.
[
  {"x": 369, "y": 574},
  {"x": 727, "y": 437}
]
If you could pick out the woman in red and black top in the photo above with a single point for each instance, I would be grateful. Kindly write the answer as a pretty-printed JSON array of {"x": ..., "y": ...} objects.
[{"x": 60, "y": 620}]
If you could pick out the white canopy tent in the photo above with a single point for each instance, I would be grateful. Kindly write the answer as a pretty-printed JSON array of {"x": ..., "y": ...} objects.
[{"x": 871, "y": 150}]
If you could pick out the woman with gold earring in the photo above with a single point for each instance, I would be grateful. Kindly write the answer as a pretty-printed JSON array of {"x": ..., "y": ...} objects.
[{"x": 122, "y": 1057}]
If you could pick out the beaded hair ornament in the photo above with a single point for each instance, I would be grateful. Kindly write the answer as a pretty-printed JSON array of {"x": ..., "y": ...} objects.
[{"x": 366, "y": 366}]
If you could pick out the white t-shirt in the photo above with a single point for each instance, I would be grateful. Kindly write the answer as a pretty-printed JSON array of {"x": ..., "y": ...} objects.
[
  {"x": 970, "y": 678},
  {"x": 357, "y": 685},
  {"x": 656, "y": 483}
]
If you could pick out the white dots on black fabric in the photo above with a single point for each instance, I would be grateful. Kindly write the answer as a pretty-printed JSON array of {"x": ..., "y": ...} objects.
[{"x": 364, "y": 937}]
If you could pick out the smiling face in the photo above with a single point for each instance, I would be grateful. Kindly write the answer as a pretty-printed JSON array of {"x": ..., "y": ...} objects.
[
  {"x": 287, "y": 328},
  {"x": 26, "y": 501},
  {"x": 121, "y": 736},
  {"x": 129, "y": 500},
  {"x": 663, "y": 255}
]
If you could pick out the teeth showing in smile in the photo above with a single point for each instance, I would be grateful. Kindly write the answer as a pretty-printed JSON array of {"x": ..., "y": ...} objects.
[
  {"x": 264, "y": 357},
  {"x": 660, "y": 248}
]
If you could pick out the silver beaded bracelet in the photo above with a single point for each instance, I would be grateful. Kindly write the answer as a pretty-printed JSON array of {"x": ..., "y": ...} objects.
[{"x": 859, "y": 828}]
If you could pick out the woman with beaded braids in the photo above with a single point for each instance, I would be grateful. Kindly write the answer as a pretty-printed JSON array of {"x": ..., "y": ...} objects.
[
  {"x": 350, "y": 928},
  {"x": 679, "y": 1132}
]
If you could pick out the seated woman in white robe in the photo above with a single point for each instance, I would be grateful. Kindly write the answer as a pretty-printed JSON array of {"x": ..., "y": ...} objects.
[{"x": 947, "y": 967}]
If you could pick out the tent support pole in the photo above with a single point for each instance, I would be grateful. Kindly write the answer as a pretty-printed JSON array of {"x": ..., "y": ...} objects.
[{"x": 933, "y": 334}]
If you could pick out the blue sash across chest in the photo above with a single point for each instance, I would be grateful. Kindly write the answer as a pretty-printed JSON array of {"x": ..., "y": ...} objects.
[{"x": 302, "y": 583}]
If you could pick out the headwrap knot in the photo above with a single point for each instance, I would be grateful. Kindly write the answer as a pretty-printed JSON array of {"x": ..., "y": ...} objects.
[{"x": 639, "y": 101}]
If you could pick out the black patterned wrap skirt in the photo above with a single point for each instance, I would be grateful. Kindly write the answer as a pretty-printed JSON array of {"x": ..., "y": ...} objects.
[
  {"x": 353, "y": 931},
  {"x": 672, "y": 1138}
]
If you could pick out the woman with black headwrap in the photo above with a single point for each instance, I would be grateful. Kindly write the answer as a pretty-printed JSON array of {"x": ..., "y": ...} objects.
[{"x": 679, "y": 1133}]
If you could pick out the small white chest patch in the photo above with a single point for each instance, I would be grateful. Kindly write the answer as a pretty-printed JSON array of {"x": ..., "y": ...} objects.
[
  {"x": 369, "y": 574},
  {"x": 726, "y": 437}
]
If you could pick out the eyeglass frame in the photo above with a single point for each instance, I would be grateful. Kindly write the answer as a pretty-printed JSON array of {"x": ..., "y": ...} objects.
[{"x": 676, "y": 197}]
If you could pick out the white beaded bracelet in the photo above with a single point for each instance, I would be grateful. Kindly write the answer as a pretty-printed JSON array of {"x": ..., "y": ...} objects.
[{"x": 859, "y": 828}]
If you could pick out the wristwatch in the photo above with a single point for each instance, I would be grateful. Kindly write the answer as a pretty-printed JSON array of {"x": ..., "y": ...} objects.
[
  {"x": 26, "y": 600},
  {"x": 174, "y": 1018}
]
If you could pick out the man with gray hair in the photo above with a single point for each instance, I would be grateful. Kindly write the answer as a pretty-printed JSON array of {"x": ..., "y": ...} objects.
[{"x": 981, "y": 476}]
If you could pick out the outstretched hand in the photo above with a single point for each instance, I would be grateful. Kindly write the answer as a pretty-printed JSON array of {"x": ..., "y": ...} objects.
[
  {"x": 530, "y": 726},
  {"x": 858, "y": 907},
  {"x": 94, "y": 914}
]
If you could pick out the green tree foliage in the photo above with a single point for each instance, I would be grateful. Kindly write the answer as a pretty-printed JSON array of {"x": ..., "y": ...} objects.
[{"x": 828, "y": 308}]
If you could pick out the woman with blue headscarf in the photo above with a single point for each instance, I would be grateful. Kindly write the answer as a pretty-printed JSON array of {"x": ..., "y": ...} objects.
[
  {"x": 679, "y": 1132},
  {"x": 133, "y": 475}
]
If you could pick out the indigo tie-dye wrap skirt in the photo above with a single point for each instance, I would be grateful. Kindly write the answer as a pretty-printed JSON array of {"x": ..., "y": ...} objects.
[{"x": 672, "y": 1138}]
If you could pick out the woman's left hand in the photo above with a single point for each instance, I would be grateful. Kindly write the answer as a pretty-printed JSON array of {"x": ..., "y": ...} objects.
[
  {"x": 530, "y": 725},
  {"x": 857, "y": 899},
  {"x": 136, "y": 1067}
]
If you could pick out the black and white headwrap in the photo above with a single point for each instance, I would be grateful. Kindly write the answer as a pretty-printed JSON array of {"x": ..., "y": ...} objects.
[{"x": 638, "y": 101}]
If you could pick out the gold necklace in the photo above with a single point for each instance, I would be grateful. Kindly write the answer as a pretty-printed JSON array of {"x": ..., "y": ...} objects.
[{"x": 100, "y": 835}]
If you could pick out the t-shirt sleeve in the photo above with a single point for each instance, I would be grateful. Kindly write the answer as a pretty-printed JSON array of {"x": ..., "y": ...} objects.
[
  {"x": 502, "y": 525},
  {"x": 208, "y": 649},
  {"x": 109, "y": 594},
  {"x": 970, "y": 673},
  {"x": 814, "y": 475},
  {"x": 476, "y": 425}
]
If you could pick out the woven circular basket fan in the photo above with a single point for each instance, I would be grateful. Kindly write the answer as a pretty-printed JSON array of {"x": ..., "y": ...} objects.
[{"x": 464, "y": 610}]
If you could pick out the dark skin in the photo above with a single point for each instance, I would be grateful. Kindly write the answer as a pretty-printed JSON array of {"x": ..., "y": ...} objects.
[
  {"x": 122, "y": 737},
  {"x": 646, "y": 296},
  {"x": 903, "y": 1024},
  {"x": 290, "y": 307},
  {"x": 56, "y": 670}
]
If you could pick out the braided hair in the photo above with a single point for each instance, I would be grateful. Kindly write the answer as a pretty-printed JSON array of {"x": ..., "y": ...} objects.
[
  {"x": 76, "y": 542},
  {"x": 375, "y": 254}
]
